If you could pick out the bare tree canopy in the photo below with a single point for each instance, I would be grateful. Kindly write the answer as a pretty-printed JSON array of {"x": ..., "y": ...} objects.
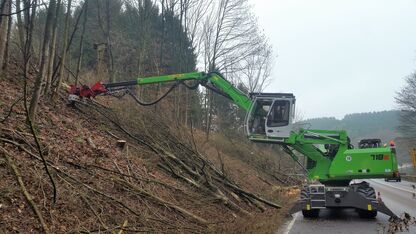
[{"x": 406, "y": 99}]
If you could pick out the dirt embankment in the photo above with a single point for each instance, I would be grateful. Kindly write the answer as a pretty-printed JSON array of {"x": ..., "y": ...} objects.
[{"x": 165, "y": 178}]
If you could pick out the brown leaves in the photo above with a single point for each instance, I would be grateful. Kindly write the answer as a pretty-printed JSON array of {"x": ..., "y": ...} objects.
[{"x": 401, "y": 223}]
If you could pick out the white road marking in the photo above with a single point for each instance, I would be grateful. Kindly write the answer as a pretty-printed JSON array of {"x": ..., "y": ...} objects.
[
  {"x": 289, "y": 227},
  {"x": 405, "y": 190}
]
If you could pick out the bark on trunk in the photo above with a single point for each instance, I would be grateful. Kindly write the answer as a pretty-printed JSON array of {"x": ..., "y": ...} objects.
[
  {"x": 44, "y": 60},
  {"x": 64, "y": 49},
  {"x": 3, "y": 30},
  {"x": 52, "y": 50}
]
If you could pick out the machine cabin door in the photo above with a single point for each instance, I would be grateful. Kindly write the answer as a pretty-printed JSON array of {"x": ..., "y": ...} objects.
[
  {"x": 280, "y": 117},
  {"x": 256, "y": 117}
]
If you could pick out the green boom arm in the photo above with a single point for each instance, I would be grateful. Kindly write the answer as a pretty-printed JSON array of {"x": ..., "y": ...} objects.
[
  {"x": 343, "y": 164},
  {"x": 214, "y": 78}
]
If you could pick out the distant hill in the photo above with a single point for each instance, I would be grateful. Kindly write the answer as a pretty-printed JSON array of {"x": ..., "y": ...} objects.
[
  {"x": 359, "y": 126},
  {"x": 362, "y": 125}
]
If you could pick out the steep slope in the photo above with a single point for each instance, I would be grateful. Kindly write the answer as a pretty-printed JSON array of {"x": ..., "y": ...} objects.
[{"x": 165, "y": 178}]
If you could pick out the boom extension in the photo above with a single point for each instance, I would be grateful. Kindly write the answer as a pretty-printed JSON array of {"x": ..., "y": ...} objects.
[{"x": 213, "y": 80}]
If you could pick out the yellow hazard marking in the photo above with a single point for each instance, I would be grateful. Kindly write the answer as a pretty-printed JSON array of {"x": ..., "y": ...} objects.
[
  {"x": 369, "y": 207},
  {"x": 308, "y": 207},
  {"x": 414, "y": 157}
]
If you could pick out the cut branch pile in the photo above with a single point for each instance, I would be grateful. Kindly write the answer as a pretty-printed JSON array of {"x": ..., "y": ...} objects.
[
  {"x": 108, "y": 189},
  {"x": 181, "y": 158},
  {"x": 95, "y": 195}
]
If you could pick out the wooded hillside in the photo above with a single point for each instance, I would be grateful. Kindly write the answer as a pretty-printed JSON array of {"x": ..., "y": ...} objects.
[
  {"x": 80, "y": 42},
  {"x": 359, "y": 126},
  {"x": 384, "y": 125},
  {"x": 110, "y": 165}
]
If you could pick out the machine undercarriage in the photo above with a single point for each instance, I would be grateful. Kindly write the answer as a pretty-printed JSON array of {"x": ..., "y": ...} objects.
[{"x": 360, "y": 196}]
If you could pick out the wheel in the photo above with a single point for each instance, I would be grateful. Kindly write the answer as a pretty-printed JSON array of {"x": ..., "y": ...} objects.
[
  {"x": 370, "y": 194},
  {"x": 367, "y": 192},
  {"x": 313, "y": 213},
  {"x": 367, "y": 214},
  {"x": 304, "y": 194}
]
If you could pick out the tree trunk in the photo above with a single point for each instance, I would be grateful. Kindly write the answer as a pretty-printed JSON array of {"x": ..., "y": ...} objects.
[
  {"x": 64, "y": 49},
  {"x": 209, "y": 114},
  {"x": 109, "y": 46},
  {"x": 44, "y": 60},
  {"x": 52, "y": 50},
  {"x": 3, "y": 30},
  {"x": 20, "y": 26},
  {"x": 9, "y": 29},
  {"x": 81, "y": 43},
  {"x": 2, "y": 4}
]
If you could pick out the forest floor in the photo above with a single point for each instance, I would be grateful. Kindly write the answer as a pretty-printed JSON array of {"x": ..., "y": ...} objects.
[{"x": 165, "y": 178}]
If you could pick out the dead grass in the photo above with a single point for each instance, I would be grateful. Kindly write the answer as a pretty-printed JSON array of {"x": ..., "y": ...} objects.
[
  {"x": 267, "y": 222},
  {"x": 65, "y": 134}
]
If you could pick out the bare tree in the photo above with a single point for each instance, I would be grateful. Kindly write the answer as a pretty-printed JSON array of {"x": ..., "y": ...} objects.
[
  {"x": 230, "y": 32},
  {"x": 107, "y": 34},
  {"x": 81, "y": 43},
  {"x": 20, "y": 28},
  {"x": 406, "y": 99},
  {"x": 8, "y": 41},
  {"x": 4, "y": 23},
  {"x": 52, "y": 50},
  {"x": 229, "y": 36},
  {"x": 64, "y": 49},
  {"x": 254, "y": 70},
  {"x": 195, "y": 12},
  {"x": 44, "y": 59}
]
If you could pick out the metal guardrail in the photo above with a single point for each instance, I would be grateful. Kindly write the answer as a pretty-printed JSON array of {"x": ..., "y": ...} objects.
[{"x": 411, "y": 178}]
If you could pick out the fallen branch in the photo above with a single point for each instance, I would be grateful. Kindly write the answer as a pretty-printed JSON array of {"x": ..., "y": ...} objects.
[
  {"x": 24, "y": 191},
  {"x": 122, "y": 227},
  {"x": 11, "y": 110},
  {"x": 98, "y": 192},
  {"x": 85, "y": 200},
  {"x": 158, "y": 200},
  {"x": 213, "y": 190},
  {"x": 20, "y": 132},
  {"x": 272, "y": 204}
]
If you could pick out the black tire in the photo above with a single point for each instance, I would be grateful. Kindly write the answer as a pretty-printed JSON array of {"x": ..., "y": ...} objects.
[
  {"x": 367, "y": 192},
  {"x": 367, "y": 214},
  {"x": 304, "y": 194},
  {"x": 313, "y": 213},
  {"x": 370, "y": 194}
]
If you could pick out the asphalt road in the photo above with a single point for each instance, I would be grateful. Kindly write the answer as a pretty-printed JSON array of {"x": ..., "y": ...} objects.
[{"x": 399, "y": 197}]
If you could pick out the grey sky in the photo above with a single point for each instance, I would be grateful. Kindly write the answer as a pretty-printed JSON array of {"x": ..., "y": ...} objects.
[{"x": 340, "y": 56}]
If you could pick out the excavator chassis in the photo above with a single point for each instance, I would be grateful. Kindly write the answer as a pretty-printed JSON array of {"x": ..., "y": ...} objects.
[{"x": 360, "y": 196}]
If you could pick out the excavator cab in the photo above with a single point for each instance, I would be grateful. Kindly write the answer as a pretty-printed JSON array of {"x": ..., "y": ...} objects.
[{"x": 270, "y": 117}]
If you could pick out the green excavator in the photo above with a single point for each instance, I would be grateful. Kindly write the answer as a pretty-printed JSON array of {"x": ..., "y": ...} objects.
[{"x": 332, "y": 162}]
